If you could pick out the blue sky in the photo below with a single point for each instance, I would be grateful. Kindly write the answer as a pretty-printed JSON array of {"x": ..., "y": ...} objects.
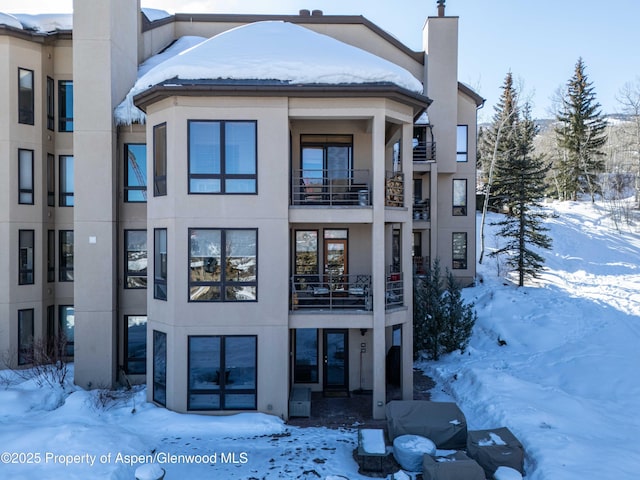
[{"x": 538, "y": 40}]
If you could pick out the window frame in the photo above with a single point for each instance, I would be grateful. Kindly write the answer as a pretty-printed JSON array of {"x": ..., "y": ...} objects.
[
  {"x": 22, "y": 342},
  {"x": 159, "y": 380},
  {"x": 51, "y": 180},
  {"x": 134, "y": 360},
  {"x": 314, "y": 369},
  {"x": 51, "y": 256},
  {"x": 25, "y": 189},
  {"x": 459, "y": 210},
  {"x": 223, "y": 176},
  {"x": 222, "y": 391},
  {"x": 65, "y": 272},
  {"x": 65, "y": 121},
  {"x": 162, "y": 280},
  {"x": 462, "y": 156},
  {"x": 160, "y": 154},
  {"x": 296, "y": 265},
  {"x": 66, "y": 192},
  {"x": 223, "y": 284},
  {"x": 62, "y": 330},
  {"x": 26, "y": 112},
  {"x": 51, "y": 87},
  {"x": 130, "y": 190},
  {"x": 459, "y": 262},
  {"x": 26, "y": 265},
  {"x": 132, "y": 273}
]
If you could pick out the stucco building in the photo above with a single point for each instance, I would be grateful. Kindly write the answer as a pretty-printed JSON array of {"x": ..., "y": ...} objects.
[{"x": 235, "y": 221}]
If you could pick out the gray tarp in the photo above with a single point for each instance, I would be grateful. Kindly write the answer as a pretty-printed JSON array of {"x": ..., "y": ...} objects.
[
  {"x": 453, "y": 467},
  {"x": 441, "y": 422},
  {"x": 484, "y": 446}
]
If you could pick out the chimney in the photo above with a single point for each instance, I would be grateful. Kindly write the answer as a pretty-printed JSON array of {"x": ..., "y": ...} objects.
[
  {"x": 441, "y": 8},
  {"x": 316, "y": 13},
  {"x": 305, "y": 13}
]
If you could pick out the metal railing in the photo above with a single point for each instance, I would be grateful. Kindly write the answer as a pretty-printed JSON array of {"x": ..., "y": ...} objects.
[
  {"x": 394, "y": 189},
  {"x": 424, "y": 152},
  {"x": 331, "y": 292},
  {"x": 331, "y": 187},
  {"x": 422, "y": 210},
  {"x": 394, "y": 290}
]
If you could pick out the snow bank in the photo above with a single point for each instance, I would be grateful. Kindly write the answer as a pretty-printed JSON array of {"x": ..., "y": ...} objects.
[{"x": 272, "y": 50}]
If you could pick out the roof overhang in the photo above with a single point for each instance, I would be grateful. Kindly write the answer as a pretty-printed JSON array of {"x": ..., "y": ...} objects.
[{"x": 468, "y": 91}]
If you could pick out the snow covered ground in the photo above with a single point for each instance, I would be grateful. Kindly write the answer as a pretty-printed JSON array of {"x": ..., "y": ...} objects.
[{"x": 565, "y": 383}]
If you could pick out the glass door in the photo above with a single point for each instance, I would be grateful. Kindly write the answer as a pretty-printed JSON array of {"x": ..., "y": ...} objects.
[
  {"x": 335, "y": 263},
  {"x": 336, "y": 360}
]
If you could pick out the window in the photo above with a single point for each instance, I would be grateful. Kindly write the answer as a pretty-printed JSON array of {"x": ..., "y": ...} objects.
[
  {"x": 25, "y": 336},
  {"x": 66, "y": 181},
  {"x": 135, "y": 173},
  {"x": 222, "y": 157},
  {"x": 25, "y": 177},
  {"x": 51, "y": 255},
  {"x": 326, "y": 164},
  {"x": 306, "y": 261},
  {"x": 160, "y": 160},
  {"x": 160, "y": 367},
  {"x": 51, "y": 332},
  {"x": 222, "y": 373},
  {"x": 51, "y": 180},
  {"x": 25, "y": 96},
  {"x": 25, "y": 271},
  {"x": 306, "y": 356},
  {"x": 223, "y": 265},
  {"x": 460, "y": 197},
  {"x": 461, "y": 143},
  {"x": 65, "y": 106},
  {"x": 136, "y": 344},
  {"x": 135, "y": 269},
  {"x": 50, "y": 104},
  {"x": 459, "y": 250},
  {"x": 65, "y": 271},
  {"x": 160, "y": 263},
  {"x": 67, "y": 328}
]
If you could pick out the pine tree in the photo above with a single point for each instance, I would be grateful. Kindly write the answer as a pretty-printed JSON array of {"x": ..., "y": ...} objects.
[
  {"x": 522, "y": 186},
  {"x": 581, "y": 136}
]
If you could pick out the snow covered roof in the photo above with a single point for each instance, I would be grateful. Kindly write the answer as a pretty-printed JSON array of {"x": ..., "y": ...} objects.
[
  {"x": 46, "y": 22},
  {"x": 275, "y": 51},
  {"x": 9, "y": 20},
  {"x": 154, "y": 14}
]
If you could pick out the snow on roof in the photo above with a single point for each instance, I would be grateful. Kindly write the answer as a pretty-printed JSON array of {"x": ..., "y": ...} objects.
[
  {"x": 46, "y": 22},
  {"x": 10, "y": 20},
  {"x": 154, "y": 14},
  {"x": 271, "y": 50}
]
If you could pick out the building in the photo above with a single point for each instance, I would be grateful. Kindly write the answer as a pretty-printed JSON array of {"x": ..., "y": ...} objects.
[{"x": 245, "y": 217}]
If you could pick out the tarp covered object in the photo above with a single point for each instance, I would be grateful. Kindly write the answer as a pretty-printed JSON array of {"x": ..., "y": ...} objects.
[
  {"x": 452, "y": 467},
  {"x": 442, "y": 422},
  {"x": 494, "y": 448},
  {"x": 408, "y": 451}
]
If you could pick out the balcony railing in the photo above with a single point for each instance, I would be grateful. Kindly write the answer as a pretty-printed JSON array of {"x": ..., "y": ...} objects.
[
  {"x": 424, "y": 152},
  {"x": 394, "y": 189},
  {"x": 331, "y": 292},
  {"x": 394, "y": 290},
  {"x": 422, "y": 210},
  {"x": 331, "y": 187}
]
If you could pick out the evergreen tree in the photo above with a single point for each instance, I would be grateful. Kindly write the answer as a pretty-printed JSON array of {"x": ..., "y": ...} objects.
[
  {"x": 442, "y": 321},
  {"x": 522, "y": 186},
  {"x": 581, "y": 136}
]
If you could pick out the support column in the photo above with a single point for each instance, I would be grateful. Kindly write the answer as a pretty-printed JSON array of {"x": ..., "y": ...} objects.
[{"x": 407, "y": 266}]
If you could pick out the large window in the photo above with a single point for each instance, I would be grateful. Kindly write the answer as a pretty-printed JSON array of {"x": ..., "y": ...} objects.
[
  {"x": 66, "y": 181},
  {"x": 459, "y": 250},
  {"x": 326, "y": 164},
  {"x": 135, "y": 270},
  {"x": 160, "y": 160},
  {"x": 51, "y": 255},
  {"x": 25, "y": 177},
  {"x": 462, "y": 143},
  {"x": 136, "y": 344},
  {"x": 160, "y": 367},
  {"x": 25, "y": 336},
  {"x": 65, "y": 271},
  {"x": 306, "y": 261},
  {"x": 223, "y": 265},
  {"x": 51, "y": 180},
  {"x": 25, "y": 96},
  {"x": 222, "y": 373},
  {"x": 25, "y": 271},
  {"x": 306, "y": 356},
  {"x": 135, "y": 174},
  {"x": 65, "y": 106},
  {"x": 222, "y": 157},
  {"x": 66, "y": 329},
  {"x": 50, "y": 104},
  {"x": 160, "y": 263},
  {"x": 459, "y": 196}
]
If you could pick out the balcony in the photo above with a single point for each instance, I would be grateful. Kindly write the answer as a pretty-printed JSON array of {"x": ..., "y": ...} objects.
[
  {"x": 394, "y": 189},
  {"x": 424, "y": 152},
  {"x": 422, "y": 210},
  {"x": 331, "y": 188},
  {"x": 331, "y": 292},
  {"x": 394, "y": 290}
]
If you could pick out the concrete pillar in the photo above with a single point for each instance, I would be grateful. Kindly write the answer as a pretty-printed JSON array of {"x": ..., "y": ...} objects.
[{"x": 407, "y": 267}]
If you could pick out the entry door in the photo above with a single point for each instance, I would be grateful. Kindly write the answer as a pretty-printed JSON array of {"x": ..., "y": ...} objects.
[{"x": 336, "y": 360}]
